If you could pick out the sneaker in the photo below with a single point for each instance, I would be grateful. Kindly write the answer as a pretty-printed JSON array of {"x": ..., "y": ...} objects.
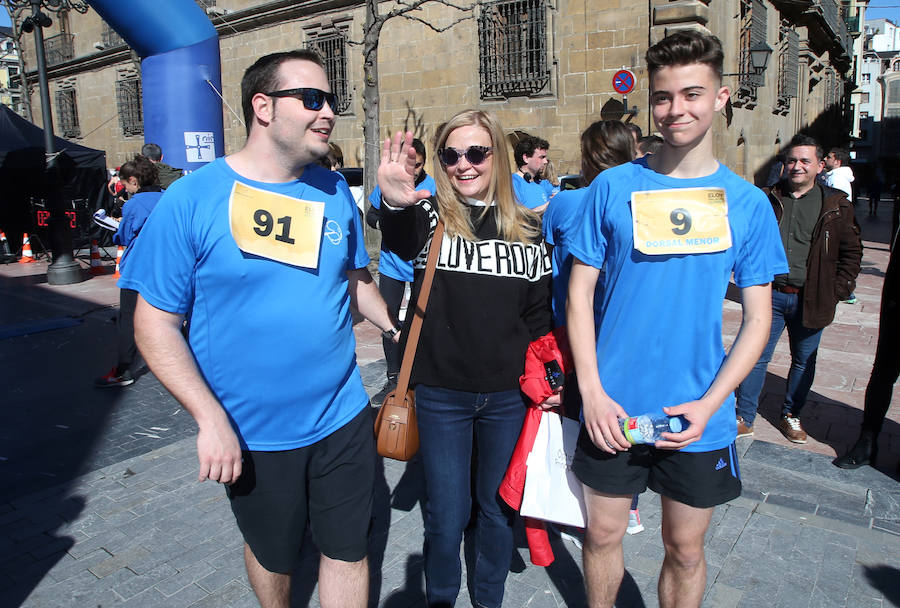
[
  {"x": 634, "y": 522},
  {"x": 113, "y": 378},
  {"x": 851, "y": 300},
  {"x": 791, "y": 429},
  {"x": 743, "y": 429}
]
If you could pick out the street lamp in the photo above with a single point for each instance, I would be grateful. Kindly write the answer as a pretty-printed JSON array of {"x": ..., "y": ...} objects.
[
  {"x": 63, "y": 270},
  {"x": 759, "y": 59}
]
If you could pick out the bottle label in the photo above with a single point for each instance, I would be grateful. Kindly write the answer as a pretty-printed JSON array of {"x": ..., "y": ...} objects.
[{"x": 632, "y": 431}]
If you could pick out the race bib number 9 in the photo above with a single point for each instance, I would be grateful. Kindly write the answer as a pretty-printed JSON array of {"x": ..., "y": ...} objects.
[
  {"x": 679, "y": 221},
  {"x": 276, "y": 226}
]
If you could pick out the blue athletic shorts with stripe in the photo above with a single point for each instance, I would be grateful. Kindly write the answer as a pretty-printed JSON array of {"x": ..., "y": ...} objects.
[{"x": 697, "y": 479}]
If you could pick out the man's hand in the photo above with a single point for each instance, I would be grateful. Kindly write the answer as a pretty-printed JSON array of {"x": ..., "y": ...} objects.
[
  {"x": 397, "y": 172},
  {"x": 601, "y": 419},
  {"x": 219, "y": 452},
  {"x": 697, "y": 413}
]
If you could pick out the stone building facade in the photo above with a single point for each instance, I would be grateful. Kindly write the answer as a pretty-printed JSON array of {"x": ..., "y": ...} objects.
[{"x": 544, "y": 66}]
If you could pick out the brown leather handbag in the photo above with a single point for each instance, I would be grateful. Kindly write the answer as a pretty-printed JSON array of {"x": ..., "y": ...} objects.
[{"x": 396, "y": 431}]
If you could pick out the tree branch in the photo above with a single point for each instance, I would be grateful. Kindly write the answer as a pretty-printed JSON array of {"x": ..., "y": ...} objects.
[{"x": 433, "y": 27}]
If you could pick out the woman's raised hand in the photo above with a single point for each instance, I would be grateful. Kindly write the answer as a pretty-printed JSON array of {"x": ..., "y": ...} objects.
[{"x": 397, "y": 172}]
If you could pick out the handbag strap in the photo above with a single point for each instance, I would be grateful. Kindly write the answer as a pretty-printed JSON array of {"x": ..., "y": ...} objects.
[{"x": 412, "y": 341}]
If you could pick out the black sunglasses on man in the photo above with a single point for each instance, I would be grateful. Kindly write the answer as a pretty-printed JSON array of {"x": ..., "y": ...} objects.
[{"x": 313, "y": 99}]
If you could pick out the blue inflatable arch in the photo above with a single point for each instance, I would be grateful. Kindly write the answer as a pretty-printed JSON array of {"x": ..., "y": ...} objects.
[{"x": 180, "y": 71}]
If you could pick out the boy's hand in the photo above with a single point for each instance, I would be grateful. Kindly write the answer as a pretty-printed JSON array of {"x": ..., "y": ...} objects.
[
  {"x": 697, "y": 413},
  {"x": 601, "y": 419},
  {"x": 397, "y": 172}
]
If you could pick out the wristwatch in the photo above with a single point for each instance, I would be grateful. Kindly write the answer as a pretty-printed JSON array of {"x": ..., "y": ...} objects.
[{"x": 389, "y": 334}]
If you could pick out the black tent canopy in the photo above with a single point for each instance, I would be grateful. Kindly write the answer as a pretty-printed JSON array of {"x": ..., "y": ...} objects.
[{"x": 23, "y": 183}]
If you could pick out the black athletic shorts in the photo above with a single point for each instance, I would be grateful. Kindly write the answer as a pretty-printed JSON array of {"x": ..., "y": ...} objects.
[
  {"x": 697, "y": 479},
  {"x": 328, "y": 484}
]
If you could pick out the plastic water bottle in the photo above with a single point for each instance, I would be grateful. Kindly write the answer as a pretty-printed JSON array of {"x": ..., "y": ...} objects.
[{"x": 650, "y": 427}]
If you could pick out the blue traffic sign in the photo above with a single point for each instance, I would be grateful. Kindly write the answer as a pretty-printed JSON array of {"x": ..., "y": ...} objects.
[{"x": 623, "y": 81}]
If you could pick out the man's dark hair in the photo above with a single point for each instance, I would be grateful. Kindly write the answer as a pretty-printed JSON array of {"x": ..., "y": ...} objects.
[
  {"x": 801, "y": 139},
  {"x": 650, "y": 144},
  {"x": 419, "y": 147},
  {"x": 684, "y": 48},
  {"x": 841, "y": 154},
  {"x": 141, "y": 168},
  {"x": 262, "y": 77},
  {"x": 152, "y": 151},
  {"x": 527, "y": 147}
]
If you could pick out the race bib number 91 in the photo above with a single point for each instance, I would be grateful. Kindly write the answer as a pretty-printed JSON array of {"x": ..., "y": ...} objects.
[
  {"x": 276, "y": 226},
  {"x": 679, "y": 221}
]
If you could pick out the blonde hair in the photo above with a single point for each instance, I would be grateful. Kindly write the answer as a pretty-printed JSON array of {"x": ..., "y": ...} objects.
[{"x": 515, "y": 222}]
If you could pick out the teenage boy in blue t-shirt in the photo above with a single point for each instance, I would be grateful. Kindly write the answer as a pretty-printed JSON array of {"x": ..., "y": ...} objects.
[
  {"x": 263, "y": 250},
  {"x": 669, "y": 230}
]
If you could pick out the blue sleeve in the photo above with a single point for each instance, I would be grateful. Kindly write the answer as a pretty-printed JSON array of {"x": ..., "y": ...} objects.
[
  {"x": 375, "y": 198},
  {"x": 161, "y": 263},
  {"x": 548, "y": 222},
  {"x": 761, "y": 255},
  {"x": 587, "y": 239}
]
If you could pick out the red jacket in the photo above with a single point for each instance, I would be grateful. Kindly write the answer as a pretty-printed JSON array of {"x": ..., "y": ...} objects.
[{"x": 553, "y": 346}]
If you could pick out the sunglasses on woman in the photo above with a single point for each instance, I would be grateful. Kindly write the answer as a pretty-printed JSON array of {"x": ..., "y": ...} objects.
[
  {"x": 313, "y": 99},
  {"x": 474, "y": 154}
]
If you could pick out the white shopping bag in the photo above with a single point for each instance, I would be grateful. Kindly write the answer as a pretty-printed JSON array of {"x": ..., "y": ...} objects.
[{"x": 552, "y": 492}]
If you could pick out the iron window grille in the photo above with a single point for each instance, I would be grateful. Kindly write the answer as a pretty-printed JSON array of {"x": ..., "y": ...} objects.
[
  {"x": 753, "y": 31},
  {"x": 788, "y": 65},
  {"x": 513, "y": 48},
  {"x": 67, "y": 114},
  {"x": 59, "y": 49},
  {"x": 332, "y": 48},
  {"x": 111, "y": 37},
  {"x": 128, "y": 104}
]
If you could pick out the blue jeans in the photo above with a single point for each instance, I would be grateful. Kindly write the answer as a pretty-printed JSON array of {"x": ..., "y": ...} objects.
[
  {"x": 448, "y": 420},
  {"x": 787, "y": 311}
]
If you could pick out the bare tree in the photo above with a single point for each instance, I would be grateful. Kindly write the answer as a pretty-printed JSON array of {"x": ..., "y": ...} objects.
[{"x": 375, "y": 21}]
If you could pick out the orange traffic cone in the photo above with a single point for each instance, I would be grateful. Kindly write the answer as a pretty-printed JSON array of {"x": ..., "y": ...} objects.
[
  {"x": 4, "y": 244},
  {"x": 119, "y": 253},
  {"x": 96, "y": 265},
  {"x": 27, "y": 256}
]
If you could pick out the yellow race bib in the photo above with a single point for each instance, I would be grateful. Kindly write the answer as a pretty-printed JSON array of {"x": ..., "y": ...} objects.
[
  {"x": 276, "y": 226},
  {"x": 681, "y": 220}
]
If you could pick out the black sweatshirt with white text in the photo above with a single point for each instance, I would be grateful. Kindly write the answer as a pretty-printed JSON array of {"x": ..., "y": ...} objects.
[{"x": 490, "y": 298}]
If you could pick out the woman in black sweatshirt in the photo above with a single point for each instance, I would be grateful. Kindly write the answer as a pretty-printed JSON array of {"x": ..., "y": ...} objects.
[{"x": 490, "y": 298}]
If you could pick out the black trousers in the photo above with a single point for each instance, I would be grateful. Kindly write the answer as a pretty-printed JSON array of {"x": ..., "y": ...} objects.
[
  {"x": 129, "y": 357},
  {"x": 392, "y": 292},
  {"x": 886, "y": 368}
]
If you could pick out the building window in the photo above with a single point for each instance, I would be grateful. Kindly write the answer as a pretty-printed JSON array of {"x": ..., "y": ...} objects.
[
  {"x": 512, "y": 40},
  {"x": 331, "y": 45},
  {"x": 111, "y": 37},
  {"x": 788, "y": 65},
  {"x": 67, "y": 114},
  {"x": 866, "y": 77},
  {"x": 864, "y": 98},
  {"x": 59, "y": 49},
  {"x": 753, "y": 31},
  {"x": 128, "y": 103},
  {"x": 863, "y": 115}
]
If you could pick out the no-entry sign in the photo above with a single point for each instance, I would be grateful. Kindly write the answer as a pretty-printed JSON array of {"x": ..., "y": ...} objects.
[{"x": 623, "y": 81}]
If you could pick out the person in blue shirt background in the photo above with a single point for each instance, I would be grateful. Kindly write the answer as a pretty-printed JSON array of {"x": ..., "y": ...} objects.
[
  {"x": 139, "y": 176},
  {"x": 531, "y": 159},
  {"x": 394, "y": 272}
]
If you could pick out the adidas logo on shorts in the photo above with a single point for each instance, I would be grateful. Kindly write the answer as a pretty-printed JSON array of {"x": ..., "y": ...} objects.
[{"x": 721, "y": 464}]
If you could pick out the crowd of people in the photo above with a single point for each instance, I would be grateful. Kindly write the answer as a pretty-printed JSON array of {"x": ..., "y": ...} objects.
[{"x": 261, "y": 254}]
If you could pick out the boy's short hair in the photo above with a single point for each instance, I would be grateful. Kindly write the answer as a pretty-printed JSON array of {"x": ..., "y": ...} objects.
[
  {"x": 527, "y": 146},
  {"x": 841, "y": 154},
  {"x": 684, "y": 48},
  {"x": 262, "y": 77},
  {"x": 650, "y": 144},
  {"x": 419, "y": 147},
  {"x": 802, "y": 139}
]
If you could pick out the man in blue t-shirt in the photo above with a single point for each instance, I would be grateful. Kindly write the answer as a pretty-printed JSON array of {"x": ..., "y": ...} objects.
[
  {"x": 263, "y": 252},
  {"x": 531, "y": 159},
  {"x": 669, "y": 230},
  {"x": 394, "y": 273}
]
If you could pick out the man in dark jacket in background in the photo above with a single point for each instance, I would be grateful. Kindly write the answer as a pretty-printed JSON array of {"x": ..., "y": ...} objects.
[
  {"x": 167, "y": 174},
  {"x": 821, "y": 239}
]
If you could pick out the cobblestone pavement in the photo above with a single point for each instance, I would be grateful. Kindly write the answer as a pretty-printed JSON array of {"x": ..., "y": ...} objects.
[{"x": 100, "y": 504}]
